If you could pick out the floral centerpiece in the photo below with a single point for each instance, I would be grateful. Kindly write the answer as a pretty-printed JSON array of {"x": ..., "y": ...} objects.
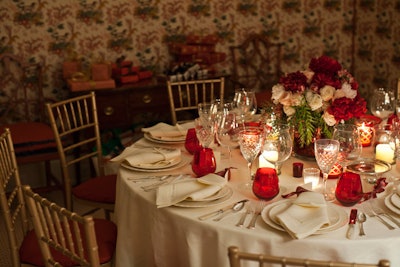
[{"x": 316, "y": 99}]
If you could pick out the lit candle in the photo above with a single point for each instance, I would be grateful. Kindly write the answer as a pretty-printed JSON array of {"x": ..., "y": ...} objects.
[
  {"x": 366, "y": 134},
  {"x": 384, "y": 152},
  {"x": 311, "y": 175},
  {"x": 263, "y": 161}
]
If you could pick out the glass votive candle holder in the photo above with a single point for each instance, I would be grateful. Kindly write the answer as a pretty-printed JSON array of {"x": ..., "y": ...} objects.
[
  {"x": 297, "y": 169},
  {"x": 311, "y": 175},
  {"x": 366, "y": 132}
]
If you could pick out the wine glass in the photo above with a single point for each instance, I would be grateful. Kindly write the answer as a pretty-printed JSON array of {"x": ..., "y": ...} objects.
[
  {"x": 245, "y": 103},
  {"x": 382, "y": 103},
  {"x": 278, "y": 144},
  {"x": 326, "y": 153},
  {"x": 227, "y": 130},
  {"x": 204, "y": 161},
  {"x": 350, "y": 143},
  {"x": 250, "y": 142}
]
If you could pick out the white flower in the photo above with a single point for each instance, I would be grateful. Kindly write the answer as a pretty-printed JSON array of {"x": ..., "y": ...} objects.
[
  {"x": 314, "y": 100},
  {"x": 329, "y": 118},
  {"x": 327, "y": 92},
  {"x": 346, "y": 91},
  {"x": 277, "y": 92},
  {"x": 297, "y": 99},
  {"x": 309, "y": 74},
  {"x": 289, "y": 111}
]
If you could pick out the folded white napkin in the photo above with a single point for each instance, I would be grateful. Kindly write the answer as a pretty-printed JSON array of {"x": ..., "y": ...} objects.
[
  {"x": 165, "y": 131},
  {"x": 194, "y": 189},
  {"x": 146, "y": 157},
  {"x": 306, "y": 215}
]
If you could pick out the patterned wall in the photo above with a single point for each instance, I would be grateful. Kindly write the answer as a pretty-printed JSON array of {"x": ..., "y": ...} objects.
[{"x": 362, "y": 34}]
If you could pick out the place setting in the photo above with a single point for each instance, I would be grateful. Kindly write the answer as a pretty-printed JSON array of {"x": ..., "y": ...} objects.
[
  {"x": 164, "y": 133},
  {"x": 151, "y": 159}
]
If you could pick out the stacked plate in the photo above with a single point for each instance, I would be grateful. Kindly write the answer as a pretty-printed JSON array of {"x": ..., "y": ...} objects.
[
  {"x": 392, "y": 201},
  {"x": 337, "y": 216},
  {"x": 170, "y": 140},
  {"x": 219, "y": 197}
]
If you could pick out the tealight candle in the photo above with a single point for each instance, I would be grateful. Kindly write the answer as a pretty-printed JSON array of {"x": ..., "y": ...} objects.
[
  {"x": 384, "y": 152},
  {"x": 366, "y": 133}
]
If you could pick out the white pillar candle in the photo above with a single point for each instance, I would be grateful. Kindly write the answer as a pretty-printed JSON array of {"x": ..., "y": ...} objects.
[
  {"x": 262, "y": 162},
  {"x": 385, "y": 153}
]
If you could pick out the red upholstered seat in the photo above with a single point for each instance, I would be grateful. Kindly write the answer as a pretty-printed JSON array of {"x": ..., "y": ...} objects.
[
  {"x": 31, "y": 138},
  {"x": 106, "y": 235},
  {"x": 105, "y": 189}
]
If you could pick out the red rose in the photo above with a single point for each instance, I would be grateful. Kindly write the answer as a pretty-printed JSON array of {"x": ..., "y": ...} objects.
[
  {"x": 322, "y": 79},
  {"x": 294, "y": 82},
  {"x": 345, "y": 108},
  {"x": 325, "y": 64}
]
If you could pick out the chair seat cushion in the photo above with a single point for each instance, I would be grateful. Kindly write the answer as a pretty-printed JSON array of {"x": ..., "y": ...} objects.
[
  {"x": 99, "y": 189},
  {"x": 31, "y": 138},
  {"x": 106, "y": 236}
]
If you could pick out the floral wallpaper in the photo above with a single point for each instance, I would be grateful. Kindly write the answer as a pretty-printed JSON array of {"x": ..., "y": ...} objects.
[{"x": 363, "y": 35}]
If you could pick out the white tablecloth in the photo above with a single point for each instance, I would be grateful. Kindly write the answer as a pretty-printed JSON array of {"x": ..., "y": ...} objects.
[{"x": 174, "y": 236}]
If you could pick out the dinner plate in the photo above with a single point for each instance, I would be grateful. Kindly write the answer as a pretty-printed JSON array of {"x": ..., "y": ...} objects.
[
  {"x": 184, "y": 161},
  {"x": 220, "y": 194},
  {"x": 203, "y": 204},
  {"x": 151, "y": 138},
  {"x": 389, "y": 204},
  {"x": 156, "y": 166},
  {"x": 337, "y": 216}
]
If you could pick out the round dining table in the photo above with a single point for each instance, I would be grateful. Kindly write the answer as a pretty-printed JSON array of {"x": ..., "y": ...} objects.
[{"x": 174, "y": 235}]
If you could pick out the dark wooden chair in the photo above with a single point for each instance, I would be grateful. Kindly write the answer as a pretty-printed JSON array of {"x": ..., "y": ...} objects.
[
  {"x": 256, "y": 65},
  {"x": 22, "y": 110}
]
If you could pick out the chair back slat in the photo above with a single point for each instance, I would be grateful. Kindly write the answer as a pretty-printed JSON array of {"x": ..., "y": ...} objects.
[
  {"x": 12, "y": 204},
  {"x": 65, "y": 231},
  {"x": 186, "y": 95},
  {"x": 76, "y": 119},
  {"x": 236, "y": 257}
]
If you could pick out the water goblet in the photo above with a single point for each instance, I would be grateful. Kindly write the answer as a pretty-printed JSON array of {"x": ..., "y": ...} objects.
[
  {"x": 350, "y": 143},
  {"x": 382, "y": 103},
  {"x": 326, "y": 153},
  {"x": 245, "y": 103},
  {"x": 278, "y": 144},
  {"x": 250, "y": 142},
  {"x": 266, "y": 183},
  {"x": 228, "y": 130}
]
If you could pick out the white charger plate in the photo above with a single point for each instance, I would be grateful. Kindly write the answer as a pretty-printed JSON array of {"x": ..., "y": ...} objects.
[
  {"x": 220, "y": 194},
  {"x": 171, "y": 163},
  {"x": 337, "y": 216},
  {"x": 163, "y": 141},
  {"x": 184, "y": 161},
  {"x": 390, "y": 205},
  {"x": 203, "y": 204}
]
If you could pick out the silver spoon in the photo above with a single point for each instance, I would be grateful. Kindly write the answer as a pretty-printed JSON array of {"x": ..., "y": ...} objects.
[
  {"x": 361, "y": 218},
  {"x": 237, "y": 207}
]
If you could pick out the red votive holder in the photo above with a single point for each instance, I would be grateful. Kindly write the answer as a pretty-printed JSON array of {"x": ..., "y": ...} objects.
[
  {"x": 366, "y": 131},
  {"x": 297, "y": 169}
]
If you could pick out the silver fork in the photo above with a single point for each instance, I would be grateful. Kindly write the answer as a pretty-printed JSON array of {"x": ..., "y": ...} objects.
[
  {"x": 257, "y": 211},
  {"x": 378, "y": 210},
  {"x": 371, "y": 213},
  {"x": 154, "y": 186},
  {"x": 243, "y": 218}
]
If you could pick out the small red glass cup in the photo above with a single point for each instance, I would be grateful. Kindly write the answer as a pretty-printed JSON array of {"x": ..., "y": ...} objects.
[
  {"x": 349, "y": 189},
  {"x": 266, "y": 183},
  {"x": 192, "y": 144},
  {"x": 297, "y": 169},
  {"x": 204, "y": 162}
]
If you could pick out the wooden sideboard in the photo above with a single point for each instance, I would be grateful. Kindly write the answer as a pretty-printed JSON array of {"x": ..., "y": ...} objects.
[{"x": 132, "y": 106}]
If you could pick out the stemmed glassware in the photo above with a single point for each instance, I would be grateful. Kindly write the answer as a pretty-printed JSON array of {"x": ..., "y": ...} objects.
[
  {"x": 228, "y": 128},
  {"x": 383, "y": 103},
  {"x": 245, "y": 103},
  {"x": 250, "y": 141},
  {"x": 326, "y": 153},
  {"x": 278, "y": 144},
  {"x": 204, "y": 161},
  {"x": 350, "y": 143}
]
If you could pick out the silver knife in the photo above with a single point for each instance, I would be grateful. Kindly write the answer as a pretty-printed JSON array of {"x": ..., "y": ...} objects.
[
  {"x": 352, "y": 221},
  {"x": 221, "y": 210}
]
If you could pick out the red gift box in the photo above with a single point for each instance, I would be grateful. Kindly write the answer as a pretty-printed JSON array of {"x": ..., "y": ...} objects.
[
  {"x": 129, "y": 79},
  {"x": 145, "y": 74},
  {"x": 69, "y": 68},
  {"x": 101, "y": 72},
  {"x": 90, "y": 85}
]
